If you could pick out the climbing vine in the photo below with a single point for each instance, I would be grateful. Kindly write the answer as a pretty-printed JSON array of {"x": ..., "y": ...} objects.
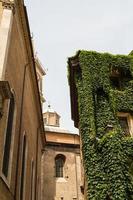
[{"x": 105, "y": 87}]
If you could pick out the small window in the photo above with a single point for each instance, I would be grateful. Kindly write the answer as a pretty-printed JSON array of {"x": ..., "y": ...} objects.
[
  {"x": 115, "y": 82},
  {"x": 120, "y": 78},
  {"x": 124, "y": 125},
  {"x": 57, "y": 121},
  {"x": 115, "y": 79},
  {"x": 59, "y": 164},
  {"x": 51, "y": 114},
  {"x": 8, "y": 137},
  {"x": 108, "y": 198},
  {"x": 45, "y": 120}
]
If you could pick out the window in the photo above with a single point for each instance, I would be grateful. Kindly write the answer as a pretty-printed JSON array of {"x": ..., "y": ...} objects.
[
  {"x": 124, "y": 125},
  {"x": 51, "y": 114},
  {"x": 115, "y": 79},
  {"x": 120, "y": 78},
  {"x": 8, "y": 137},
  {"x": 32, "y": 180},
  {"x": 39, "y": 83},
  {"x": 107, "y": 198},
  {"x": 115, "y": 82},
  {"x": 23, "y": 169},
  {"x": 45, "y": 121},
  {"x": 57, "y": 122},
  {"x": 59, "y": 164}
]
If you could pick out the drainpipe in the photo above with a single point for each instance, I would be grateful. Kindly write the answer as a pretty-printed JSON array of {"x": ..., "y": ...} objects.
[{"x": 76, "y": 174}]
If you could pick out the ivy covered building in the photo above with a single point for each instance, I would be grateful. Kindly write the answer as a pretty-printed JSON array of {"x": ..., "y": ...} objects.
[{"x": 101, "y": 90}]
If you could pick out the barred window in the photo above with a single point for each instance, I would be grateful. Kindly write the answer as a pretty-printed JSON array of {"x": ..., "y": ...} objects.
[{"x": 59, "y": 165}]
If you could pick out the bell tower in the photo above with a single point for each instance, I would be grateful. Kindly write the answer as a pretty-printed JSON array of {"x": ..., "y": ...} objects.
[{"x": 51, "y": 118}]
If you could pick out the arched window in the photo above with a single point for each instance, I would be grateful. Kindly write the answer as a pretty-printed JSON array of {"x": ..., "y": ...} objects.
[{"x": 59, "y": 164}]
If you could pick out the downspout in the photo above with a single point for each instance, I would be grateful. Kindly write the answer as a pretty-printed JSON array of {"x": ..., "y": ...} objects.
[{"x": 76, "y": 173}]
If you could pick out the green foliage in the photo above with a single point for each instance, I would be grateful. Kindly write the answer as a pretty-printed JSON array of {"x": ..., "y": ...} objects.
[{"x": 107, "y": 153}]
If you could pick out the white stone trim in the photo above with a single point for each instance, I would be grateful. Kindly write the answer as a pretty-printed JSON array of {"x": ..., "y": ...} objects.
[{"x": 5, "y": 34}]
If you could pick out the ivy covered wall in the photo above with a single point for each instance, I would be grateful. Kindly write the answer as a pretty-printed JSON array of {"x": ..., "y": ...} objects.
[{"x": 104, "y": 85}]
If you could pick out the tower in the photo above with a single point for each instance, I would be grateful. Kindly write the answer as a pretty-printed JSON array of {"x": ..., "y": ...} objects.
[{"x": 51, "y": 118}]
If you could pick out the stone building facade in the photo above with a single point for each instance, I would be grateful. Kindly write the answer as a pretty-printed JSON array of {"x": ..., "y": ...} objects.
[
  {"x": 61, "y": 163},
  {"x": 21, "y": 122}
]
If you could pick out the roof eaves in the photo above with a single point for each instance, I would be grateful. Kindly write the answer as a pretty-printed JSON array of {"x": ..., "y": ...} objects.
[{"x": 73, "y": 65}]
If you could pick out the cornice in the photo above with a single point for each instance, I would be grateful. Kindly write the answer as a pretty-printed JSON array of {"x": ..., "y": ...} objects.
[
  {"x": 74, "y": 65},
  {"x": 22, "y": 14}
]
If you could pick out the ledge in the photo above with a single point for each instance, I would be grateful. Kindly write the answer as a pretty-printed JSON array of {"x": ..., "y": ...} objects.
[{"x": 61, "y": 180}]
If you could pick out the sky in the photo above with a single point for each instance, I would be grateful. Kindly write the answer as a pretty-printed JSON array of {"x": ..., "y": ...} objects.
[{"x": 62, "y": 27}]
